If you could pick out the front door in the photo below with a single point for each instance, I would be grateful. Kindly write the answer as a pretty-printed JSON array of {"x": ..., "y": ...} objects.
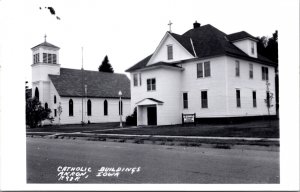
[{"x": 152, "y": 118}]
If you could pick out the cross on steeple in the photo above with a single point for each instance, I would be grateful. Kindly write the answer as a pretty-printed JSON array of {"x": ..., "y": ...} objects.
[
  {"x": 45, "y": 37},
  {"x": 170, "y": 23}
]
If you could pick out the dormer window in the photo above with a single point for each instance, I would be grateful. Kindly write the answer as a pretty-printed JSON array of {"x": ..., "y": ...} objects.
[
  {"x": 252, "y": 48},
  {"x": 170, "y": 52}
]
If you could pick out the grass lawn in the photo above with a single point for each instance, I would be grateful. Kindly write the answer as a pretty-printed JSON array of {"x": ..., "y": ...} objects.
[
  {"x": 260, "y": 129},
  {"x": 75, "y": 128}
]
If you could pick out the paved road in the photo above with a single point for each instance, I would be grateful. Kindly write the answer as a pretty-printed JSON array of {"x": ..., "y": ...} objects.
[{"x": 158, "y": 164}]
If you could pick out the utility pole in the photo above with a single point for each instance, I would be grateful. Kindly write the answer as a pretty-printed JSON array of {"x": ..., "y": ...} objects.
[{"x": 82, "y": 88}]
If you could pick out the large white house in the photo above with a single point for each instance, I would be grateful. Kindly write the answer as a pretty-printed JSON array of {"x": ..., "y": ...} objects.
[
  {"x": 204, "y": 72},
  {"x": 88, "y": 96}
]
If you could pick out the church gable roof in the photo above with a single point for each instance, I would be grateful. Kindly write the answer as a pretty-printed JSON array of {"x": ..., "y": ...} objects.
[
  {"x": 99, "y": 84},
  {"x": 208, "y": 41}
]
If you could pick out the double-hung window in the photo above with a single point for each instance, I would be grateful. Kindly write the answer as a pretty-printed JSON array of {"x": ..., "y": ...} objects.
[
  {"x": 237, "y": 68},
  {"x": 185, "y": 100},
  {"x": 252, "y": 48},
  {"x": 250, "y": 70},
  {"x": 265, "y": 73},
  {"x": 135, "y": 80},
  {"x": 151, "y": 84},
  {"x": 203, "y": 69},
  {"x": 204, "y": 102},
  {"x": 170, "y": 52},
  {"x": 238, "y": 98},
  {"x": 254, "y": 98},
  {"x": 140, "y": 79}
]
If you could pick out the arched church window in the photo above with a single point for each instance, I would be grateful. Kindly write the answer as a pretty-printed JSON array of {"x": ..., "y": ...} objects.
[
  {"x": 54, "y": 99},
  {"x": 36, "y": 93},
  {"x": 46, "y": 105},
  {"x": 71, "y": 107},
  {"x": 120, "y": 107},
  {"x": 89, "y": 108},
  {"x": 105, "y": 107}
]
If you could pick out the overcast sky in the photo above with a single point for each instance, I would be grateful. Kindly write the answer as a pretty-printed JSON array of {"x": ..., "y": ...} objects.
[{"x": 125, "y": 30}]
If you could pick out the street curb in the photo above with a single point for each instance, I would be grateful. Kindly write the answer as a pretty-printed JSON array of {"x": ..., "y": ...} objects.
[{"x": 79, "y": 134}]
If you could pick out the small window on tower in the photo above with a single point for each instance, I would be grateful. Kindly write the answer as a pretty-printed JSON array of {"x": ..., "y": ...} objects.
[
  {"x": 37, "y": 57},
  {"x": 54, "y": 58},
  {"x": 44, "y": 57},
  {"x": 49, "y": 58}
]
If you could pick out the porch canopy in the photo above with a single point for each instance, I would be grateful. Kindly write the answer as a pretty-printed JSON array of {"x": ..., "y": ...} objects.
[
  {"x": 149, "y": 101},
  {"x": 147, "y": 111}
]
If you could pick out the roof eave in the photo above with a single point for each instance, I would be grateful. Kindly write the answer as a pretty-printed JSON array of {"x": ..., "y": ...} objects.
[
  {"x": 245, "y": 38},
  {"x": 270, "y": 63}
]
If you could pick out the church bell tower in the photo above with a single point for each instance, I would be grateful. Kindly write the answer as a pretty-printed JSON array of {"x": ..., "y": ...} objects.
[{"x": 45, "y": 57}]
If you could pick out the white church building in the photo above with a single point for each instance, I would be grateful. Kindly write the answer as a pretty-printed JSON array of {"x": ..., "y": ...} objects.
[
  {"x": 204, "y": 72},
  {"x": 75, "y": 95}
]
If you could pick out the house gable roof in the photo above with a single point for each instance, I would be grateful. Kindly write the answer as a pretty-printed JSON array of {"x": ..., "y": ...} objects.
[
  {"x": 208, "y": 41},
  {"x": 99, "y": 84},
  {"x": 178, "y": 40}
]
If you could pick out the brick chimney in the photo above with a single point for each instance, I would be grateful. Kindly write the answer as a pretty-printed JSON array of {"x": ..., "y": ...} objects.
[{"x": 196, "y": 25}]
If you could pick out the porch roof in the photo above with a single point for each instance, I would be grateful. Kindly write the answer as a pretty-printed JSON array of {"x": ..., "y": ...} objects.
[{"x": 149, "y": 101}]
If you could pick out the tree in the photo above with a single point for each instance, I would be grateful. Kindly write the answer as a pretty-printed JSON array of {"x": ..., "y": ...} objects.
[
  {"x": 106, "y": 66},
  {"x": 268, "y": 100},
  {"x": 27, "y": 91},
  {"x": 36, "y": 113},
  {"x": 269, "y": 97},
  {"x": 59, "y": 108},
  {"x": 268, "y": 47}
]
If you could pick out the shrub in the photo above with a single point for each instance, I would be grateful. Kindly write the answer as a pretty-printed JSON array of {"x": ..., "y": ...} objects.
[
  {"x": 131, "y": 120},
  {"x": 36, "y": 113}
]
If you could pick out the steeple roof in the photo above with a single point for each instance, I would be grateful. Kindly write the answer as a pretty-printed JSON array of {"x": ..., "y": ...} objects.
[{"x": 45, "y": 44}]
